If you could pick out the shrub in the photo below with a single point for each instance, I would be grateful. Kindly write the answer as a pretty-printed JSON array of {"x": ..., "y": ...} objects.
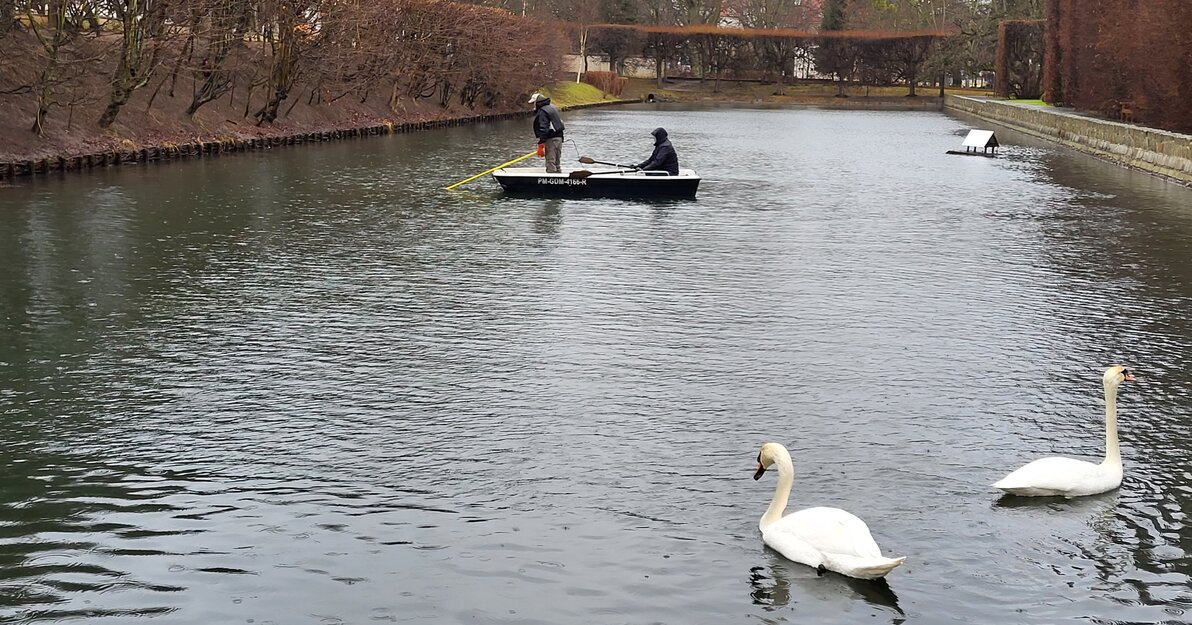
[{"x": 608, "y": 82}]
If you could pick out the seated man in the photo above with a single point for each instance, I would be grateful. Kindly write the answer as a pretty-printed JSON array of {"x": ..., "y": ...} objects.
[{"x": 664, "y": 157}]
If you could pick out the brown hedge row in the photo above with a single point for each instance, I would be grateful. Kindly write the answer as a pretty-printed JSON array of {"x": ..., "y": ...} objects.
[{"x": 1126, "y": 58}]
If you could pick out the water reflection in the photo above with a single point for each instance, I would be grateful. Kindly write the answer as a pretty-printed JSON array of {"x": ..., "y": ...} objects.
[
  {"x": 779, "y": 583},
  {"x": 1103, "y": 501},
  {"x": 549, "y": 218},
  {"x": 231, "y": 388}
]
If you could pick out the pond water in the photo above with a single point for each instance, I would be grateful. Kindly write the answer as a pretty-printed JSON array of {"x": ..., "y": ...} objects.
[{"x": 310, "y": 386}]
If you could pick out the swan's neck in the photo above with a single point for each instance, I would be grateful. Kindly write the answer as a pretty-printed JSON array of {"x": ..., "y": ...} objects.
[
  {"x": 782, "y": 492},
  {"x": 1113, "y": 457}
]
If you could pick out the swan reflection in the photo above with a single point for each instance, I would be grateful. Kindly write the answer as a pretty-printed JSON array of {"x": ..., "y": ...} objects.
[{"x": 779, "y": 582}]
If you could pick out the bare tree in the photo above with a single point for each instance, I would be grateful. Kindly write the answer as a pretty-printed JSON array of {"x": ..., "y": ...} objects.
[
  {"x": 777, "y": 52},
  {"x": 141, "y": 31},
  {"x": 580, "y": 15},
  {"x": 64, "y": 63},
  {"x": 288, "y": 30},
  {"x": 219, "y": 27},
  {"x": 53, "y": 35},
  {"x": 660, "y": 45},
  {"x": 618, "y": 43}
]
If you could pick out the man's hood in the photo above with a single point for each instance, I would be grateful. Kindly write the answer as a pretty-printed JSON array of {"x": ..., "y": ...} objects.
[{"x": 659, "y": 135}]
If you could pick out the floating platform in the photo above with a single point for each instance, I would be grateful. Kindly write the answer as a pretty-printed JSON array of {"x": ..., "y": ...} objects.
[{"x": 978, "y": 143}]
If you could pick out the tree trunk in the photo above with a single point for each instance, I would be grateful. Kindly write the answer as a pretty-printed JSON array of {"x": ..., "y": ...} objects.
[
  {"x": 658, "y": 61},
  {"x": 49, "y": 74},
  {"x": 43, "y": 99},
  {"x": 136, "y": 65},
  {"x": 583, "y": 52},
  {"x": 8, "y": 15},
  {"x": 216, "y": 82},
  {"x": 228, "y": 24},
  {"x": 283, "y": 72}
]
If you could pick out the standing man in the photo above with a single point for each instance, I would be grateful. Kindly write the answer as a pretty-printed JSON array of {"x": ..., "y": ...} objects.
[{"x": 548, "y": 127}]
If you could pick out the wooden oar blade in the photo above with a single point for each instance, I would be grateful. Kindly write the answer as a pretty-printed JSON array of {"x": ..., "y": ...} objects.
[
  {"x": 586, "y": 160},
  {"x": 579, "y": 173}
]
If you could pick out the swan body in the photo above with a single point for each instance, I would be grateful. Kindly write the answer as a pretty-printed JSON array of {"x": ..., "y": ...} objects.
[
  {"x": 1067, "y": 477},
  {"x": 825, "y": 538},
  {"x": 1062, "y": 477}
]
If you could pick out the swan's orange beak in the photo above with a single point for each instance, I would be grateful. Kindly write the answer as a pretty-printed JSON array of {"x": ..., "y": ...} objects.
[
  {"x": 1128, "y": 377},
  {"x": 757, "y": 475}
]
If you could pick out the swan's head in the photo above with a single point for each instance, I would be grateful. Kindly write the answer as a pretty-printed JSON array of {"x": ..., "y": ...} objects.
[
  {"x": 770, "y": 453},
  {"x": 1117, "y": 374}
]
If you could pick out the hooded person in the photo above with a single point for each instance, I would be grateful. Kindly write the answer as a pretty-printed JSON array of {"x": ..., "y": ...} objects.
[
  {"x": 548, "y": 128},
  {"x": 664, "y": 157}
]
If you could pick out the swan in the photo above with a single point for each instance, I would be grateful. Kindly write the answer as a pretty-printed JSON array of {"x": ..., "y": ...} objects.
[
  {"x": 1065, "y": 477},
  {"x": 828, "y": 539}
]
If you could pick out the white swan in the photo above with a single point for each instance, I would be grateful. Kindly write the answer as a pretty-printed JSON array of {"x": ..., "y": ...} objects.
[
  {"x": 1065, "y": 477},
  {"x": 826, "y": 538}
]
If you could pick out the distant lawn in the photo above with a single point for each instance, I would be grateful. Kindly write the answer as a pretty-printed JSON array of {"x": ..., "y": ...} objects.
[
  {"x": 754, "y": 91},
  {"x": 568, "y": 93},
  {"x": 1032, "y": 102},
  {"x": 565, "y": 94}
]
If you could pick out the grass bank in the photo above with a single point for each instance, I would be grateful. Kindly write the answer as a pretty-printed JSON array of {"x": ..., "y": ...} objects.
[
  {"x": 805, "y": 92},
  {"x": 572, "y": 94}
]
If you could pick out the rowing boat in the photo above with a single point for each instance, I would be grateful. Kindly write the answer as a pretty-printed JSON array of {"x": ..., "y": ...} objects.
[{"x": 534, "y": 181}]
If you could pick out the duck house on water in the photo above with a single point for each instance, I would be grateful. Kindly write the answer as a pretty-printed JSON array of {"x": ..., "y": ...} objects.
[{"x": 978, "y": 143}]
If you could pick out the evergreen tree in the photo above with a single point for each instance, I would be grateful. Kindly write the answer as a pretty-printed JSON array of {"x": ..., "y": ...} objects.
[{"x": 835, "y": 56}]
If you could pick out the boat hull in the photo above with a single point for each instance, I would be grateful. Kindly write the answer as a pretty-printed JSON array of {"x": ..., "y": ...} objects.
[{"x": 534, "y": 181}]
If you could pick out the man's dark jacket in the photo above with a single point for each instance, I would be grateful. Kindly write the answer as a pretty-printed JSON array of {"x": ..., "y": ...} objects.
[
  {"x": 547, "y": 123},
  {"x": 664, "y": 157}
]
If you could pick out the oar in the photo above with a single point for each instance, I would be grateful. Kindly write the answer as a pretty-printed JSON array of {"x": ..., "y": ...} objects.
[
  {"x": 489, "y": 171},
  {"x": 588, "y": 161},
  {"x": 583, "y": 173}
]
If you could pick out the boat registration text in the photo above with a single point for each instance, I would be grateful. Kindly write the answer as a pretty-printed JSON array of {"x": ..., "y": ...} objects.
[{"x": 579, "y": 181}]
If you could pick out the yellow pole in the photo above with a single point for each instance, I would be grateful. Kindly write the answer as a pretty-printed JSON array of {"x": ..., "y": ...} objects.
[{"x": 488, "y": 171}]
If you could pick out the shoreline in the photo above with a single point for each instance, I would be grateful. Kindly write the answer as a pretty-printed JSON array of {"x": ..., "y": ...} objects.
[
  {"x": 76, "y": 163},
  {"x": 65, "y": 163},
  {"x": 1165, "y": 154}
]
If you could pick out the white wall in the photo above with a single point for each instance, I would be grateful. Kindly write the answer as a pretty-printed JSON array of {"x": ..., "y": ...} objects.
[
  {"x": 638, "y": 67},
  {"x": 574, "y": 63},
  {"x": 635, "y": 67}
]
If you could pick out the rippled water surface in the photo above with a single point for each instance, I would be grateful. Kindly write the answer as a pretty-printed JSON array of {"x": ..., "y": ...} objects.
[{"x": 309, "y": 386}]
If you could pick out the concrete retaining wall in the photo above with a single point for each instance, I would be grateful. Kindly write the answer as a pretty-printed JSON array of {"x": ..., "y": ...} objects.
[{"x": 1160, "y": 152}]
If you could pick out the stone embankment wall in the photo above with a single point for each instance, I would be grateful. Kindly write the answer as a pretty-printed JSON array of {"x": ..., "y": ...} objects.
[{"x": 1167, "y": 154}]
